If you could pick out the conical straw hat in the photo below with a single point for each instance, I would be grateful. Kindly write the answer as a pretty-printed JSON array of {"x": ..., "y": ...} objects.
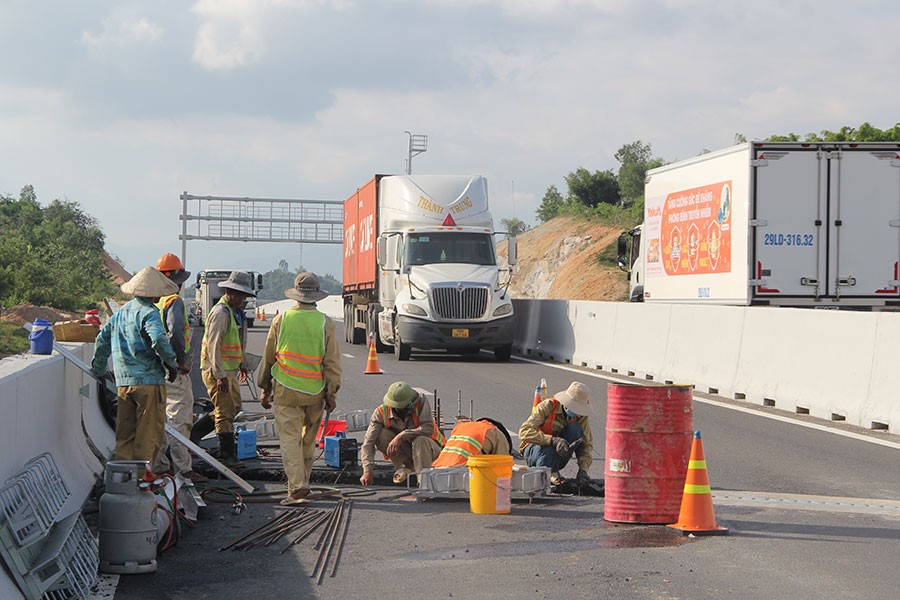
[{"x": 149, "y": 283}]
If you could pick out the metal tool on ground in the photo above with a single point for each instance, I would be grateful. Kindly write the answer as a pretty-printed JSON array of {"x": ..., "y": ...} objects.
[{"x": 194, "y": 448}]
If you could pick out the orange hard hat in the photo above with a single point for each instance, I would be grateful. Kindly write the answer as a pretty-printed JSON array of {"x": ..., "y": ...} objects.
[{"x": 169, "y": 262}]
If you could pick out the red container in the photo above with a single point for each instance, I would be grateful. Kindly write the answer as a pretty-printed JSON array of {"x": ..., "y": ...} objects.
[
  {"x": 334, "y": 425},
  {"x": 648, "y": 445}
]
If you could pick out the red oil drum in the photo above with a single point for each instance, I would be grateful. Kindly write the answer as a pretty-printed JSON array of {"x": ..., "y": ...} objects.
[{"x": 648, "y": 444}]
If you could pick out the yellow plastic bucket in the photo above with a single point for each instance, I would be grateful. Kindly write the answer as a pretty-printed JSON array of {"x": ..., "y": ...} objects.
[{"x": 490, "y": 481}]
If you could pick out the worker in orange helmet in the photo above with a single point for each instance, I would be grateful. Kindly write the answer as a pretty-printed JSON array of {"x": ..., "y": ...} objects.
[{"x": 174, "y": 457}]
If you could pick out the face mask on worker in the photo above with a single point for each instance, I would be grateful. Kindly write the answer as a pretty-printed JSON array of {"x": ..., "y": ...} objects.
[{"x": 570, "y": 414}]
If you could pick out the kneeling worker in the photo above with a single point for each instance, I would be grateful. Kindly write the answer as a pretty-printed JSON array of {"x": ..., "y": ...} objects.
[
  {"x": 471, "y": 438},
  {"x": 404, "y": 430},
  {"x": 557, "y": 428}
]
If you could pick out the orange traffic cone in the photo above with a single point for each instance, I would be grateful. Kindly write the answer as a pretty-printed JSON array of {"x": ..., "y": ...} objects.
[
  {"x": 537, "y": 396},
  {"x": 372, "y": 367},
  {"x": 696, "y": 504},
  {"x": 257, "y": 313},
  {"x": 263, "y": 313}
]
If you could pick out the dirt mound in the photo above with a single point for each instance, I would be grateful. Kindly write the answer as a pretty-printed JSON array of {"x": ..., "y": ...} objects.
[
  {"x": 27, "y": 313},
  {"x": 558, "y": 260}
]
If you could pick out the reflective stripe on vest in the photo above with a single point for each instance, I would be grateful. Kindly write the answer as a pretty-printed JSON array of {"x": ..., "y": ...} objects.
[
  {"x": 466, "y": 439},
  {"x": 387, "y": 414},
  {"x": 230, "y": 351},
  {"x": 547, "y": 427},
  {"x": 164, "y": 303},
  {"x": 300, "y": 351}
]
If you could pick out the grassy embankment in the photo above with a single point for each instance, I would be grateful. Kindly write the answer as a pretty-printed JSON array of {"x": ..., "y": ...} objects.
[{"x": 13, "y": 339}]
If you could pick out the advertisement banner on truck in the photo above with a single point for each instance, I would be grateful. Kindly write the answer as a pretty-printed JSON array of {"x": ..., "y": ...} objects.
[{"x": 689, "y": 231}]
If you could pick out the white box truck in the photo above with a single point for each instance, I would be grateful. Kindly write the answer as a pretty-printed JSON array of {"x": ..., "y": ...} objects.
[
  {"x": 209, "y": 293},
  {"x": 786, "y": 224},
  {"x": 420, "y": 267}
]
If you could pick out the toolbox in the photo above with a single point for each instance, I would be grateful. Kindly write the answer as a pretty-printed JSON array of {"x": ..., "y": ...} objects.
[{"x": 341, "y": 451}]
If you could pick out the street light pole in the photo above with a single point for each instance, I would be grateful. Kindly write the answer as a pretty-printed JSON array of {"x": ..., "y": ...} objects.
[{"x": 417, "y": 145}]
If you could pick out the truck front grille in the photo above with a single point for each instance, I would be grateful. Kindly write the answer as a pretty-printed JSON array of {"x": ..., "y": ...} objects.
[{"x": 465, "y": 303}]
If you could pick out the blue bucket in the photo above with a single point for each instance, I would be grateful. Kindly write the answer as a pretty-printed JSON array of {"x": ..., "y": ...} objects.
[{"x": 41, "y": 337}]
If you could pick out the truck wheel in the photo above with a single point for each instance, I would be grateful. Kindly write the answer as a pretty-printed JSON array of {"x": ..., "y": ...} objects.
[
  {"x": 401, "y": 350},
  {"x": 250, "y": 322},
  {"x": 502, "y": 353},
  {"x": 359, "y": 336}
]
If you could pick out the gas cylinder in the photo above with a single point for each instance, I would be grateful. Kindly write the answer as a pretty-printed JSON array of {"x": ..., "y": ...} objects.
[{"x": 128, "y": 520}]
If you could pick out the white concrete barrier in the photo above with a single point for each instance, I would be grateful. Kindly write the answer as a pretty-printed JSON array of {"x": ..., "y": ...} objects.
[
  {"x": 333, "y": 306},
  {"x": 831, "y": 364}
]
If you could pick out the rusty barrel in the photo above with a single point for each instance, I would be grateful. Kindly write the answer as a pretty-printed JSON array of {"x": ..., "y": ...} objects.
[{"x": 648, "y": 445}]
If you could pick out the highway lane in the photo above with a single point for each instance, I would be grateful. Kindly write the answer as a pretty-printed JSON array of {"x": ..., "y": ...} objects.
[{"x": 562, "y": 547}]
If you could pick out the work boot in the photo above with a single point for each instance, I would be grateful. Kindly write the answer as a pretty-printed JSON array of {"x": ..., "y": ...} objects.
[
  {"x": 228, "y": 451},
  {"x": 204, "y": 425}
]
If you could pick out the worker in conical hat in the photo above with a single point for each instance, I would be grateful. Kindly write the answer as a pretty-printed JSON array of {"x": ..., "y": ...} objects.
[
  {"x": 142, "y": 360},
  {"x": 300, "y": 374},
  {"x": 403, "y": 429}
]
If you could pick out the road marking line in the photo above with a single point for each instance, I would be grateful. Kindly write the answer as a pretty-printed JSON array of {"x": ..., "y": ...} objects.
[
  {"x": 807, "y": 502},
  {"x": 346, "y": 355},
  {"x": 743, "y": 409}
]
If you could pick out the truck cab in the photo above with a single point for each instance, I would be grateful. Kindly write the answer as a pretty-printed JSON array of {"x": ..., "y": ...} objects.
[
  {"x": 630, "y": 258},
  {"x": 208, "y": 293}
]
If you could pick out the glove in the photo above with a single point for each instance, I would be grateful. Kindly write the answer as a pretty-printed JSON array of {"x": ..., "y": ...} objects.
[
  {"x": 582, "y": 477},
  {"x": 562, "y": 447},
  {"x": 172, "y": 373}
]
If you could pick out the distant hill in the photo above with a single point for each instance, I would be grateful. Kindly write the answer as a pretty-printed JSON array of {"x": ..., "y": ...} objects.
[{"x": 559, "y": 260}]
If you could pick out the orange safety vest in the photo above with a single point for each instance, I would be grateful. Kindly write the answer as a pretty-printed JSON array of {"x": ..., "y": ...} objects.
[
  {"x": 466, "y": 439},
  {"x": 547, "y": 427},
  {"x": 387, "y": 414}
]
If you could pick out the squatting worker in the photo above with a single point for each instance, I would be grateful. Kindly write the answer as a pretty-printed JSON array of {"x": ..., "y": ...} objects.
[
  {"x": 472, "y": 438},
  {"x": 557, "y": 427},
  {"x": 142, "y": 356},
  {"x": 174, "y": 457},
  {"x": 403, "y": 429},
  {"x": 221, "y": 360},
  {"x": 301, "y": 375}
]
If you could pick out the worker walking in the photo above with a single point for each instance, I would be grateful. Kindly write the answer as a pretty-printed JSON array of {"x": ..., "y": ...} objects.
[
  {"x": 301, "y": 375},
  {"x": 221, "y": 360},
  {"x": 174, "y": 457},
  {"x": 402, "y": 428},
  {"x": 472, "y": 438},
  {"x": 142, "y": 359},
  {"x": 557, "y": 428}
]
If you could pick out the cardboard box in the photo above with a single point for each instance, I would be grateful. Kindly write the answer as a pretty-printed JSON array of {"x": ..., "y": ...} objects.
[{"x": 74, "y": 331}]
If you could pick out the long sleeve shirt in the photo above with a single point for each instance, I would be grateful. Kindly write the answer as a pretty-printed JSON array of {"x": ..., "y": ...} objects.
[
  {"x": 174, "y": 314},
  {"x": 217, "y": 324},
  {"x": 405, "y": 427},
  {"x": 331, "y": 363},
  {"x": 530, "y": 431},
  {"x": 139, "y": 346}
]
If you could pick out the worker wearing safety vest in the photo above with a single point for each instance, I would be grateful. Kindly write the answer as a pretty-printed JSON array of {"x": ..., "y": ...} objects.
[
  {"x": 174, "y": 457},
  {"x": 472, "y": 438},
  {"x": 402, "y": 428},
  {"x": 554, "y": 425},
  {"x": 301, "y": 375},
  {"x": 221, "y": 360}
]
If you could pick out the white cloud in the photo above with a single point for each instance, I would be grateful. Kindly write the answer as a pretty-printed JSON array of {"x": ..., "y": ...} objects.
[{"x": 117, "y": 33}]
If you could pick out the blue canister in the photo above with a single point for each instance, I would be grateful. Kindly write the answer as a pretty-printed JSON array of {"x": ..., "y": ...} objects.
[{"x": 41, "y": 337}]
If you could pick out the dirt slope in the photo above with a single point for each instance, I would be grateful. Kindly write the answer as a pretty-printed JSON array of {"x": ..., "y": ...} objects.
[{"x": 558, "y": 260}]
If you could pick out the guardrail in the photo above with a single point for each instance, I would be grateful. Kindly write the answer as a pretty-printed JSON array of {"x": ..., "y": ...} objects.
[{"x": 836, "y": 365}]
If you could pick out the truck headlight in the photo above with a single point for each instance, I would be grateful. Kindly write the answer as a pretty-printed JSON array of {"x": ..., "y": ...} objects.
[
  {"x": 414, "y": 309},
  {"x": 503, "y": 309}
]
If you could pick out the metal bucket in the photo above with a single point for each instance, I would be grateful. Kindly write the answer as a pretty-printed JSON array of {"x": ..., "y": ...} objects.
[{"x": 648, "y": 446}]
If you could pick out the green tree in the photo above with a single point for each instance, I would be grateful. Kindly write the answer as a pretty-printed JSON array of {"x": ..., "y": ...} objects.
[
  {"x": 864, "y": 133},
  {"x": 283, "y": 265},
  {"x": 513, "y": 227},
  {"x": 551, "y": 204},
  {"x": 635, "y": 159},
  {"x": 591, "y": 189}
]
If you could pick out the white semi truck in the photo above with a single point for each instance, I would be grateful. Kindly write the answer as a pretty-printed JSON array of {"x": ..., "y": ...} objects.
[
  {"x": 420, "y": 267},
  {"x": 768, "y": 223},
  {"x": 208, "y": 293}
]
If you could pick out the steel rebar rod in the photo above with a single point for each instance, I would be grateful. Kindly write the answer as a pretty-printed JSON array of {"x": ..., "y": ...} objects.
[
  {"x": 306, "y": 532},
  {"x": 263, "y": 526},
  {"x": 330, "y": 545},
  {"x": 266, "y": 532},
  {"x": 325, "y": 532},
  {"x": 340, "y": 550}
]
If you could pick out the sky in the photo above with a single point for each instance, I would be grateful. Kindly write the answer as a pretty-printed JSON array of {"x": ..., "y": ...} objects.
[{"x": 123, "y": 105}]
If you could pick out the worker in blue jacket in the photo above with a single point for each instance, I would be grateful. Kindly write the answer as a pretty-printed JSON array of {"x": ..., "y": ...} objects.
[{"x": 142, "y": 357}]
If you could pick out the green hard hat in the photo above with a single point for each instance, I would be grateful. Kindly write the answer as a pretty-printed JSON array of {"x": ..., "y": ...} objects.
[{"x": 400, "y": 395}]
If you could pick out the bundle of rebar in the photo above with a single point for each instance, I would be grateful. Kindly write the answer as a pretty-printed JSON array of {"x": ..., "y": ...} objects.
[
  {"x": 334, "y": 535},
  {"x": 275, "y": 529}
]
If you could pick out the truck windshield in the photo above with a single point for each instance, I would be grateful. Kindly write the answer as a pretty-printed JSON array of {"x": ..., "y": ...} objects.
[{"x": 450, "y": 247}]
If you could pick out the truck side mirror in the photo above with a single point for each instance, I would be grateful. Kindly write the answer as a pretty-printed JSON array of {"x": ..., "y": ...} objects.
[
  {"x": 381, "y": 251},
  {"x": 621, "y": 251},
  {"x": 512, "y": 253}
]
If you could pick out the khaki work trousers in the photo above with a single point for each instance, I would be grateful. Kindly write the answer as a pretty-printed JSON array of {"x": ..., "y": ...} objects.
[
  {"x": 419, "y": 451},
  {"x": 227, "y": 404},
  {"x": 180, "y": 415},
  {"x": 297, "y": 427},
  {"x": 141, "y": 421}
]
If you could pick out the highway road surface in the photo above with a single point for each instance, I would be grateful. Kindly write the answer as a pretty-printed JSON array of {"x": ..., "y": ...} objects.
[{"x": 813, "y": 510}]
